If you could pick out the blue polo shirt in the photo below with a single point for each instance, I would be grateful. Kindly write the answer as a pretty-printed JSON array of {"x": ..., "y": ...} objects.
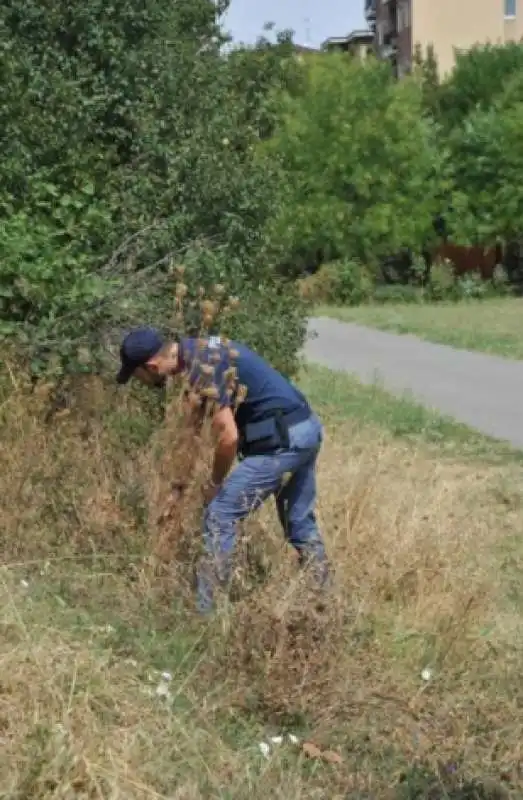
[{"x": 209, "y": 363}]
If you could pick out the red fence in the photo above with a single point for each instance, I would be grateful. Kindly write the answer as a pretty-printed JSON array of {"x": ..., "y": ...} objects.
[{"x": 470, "y": 259}]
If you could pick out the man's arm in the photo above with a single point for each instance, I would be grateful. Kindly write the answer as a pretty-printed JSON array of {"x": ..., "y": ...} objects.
[{"x": 226, "y": 432}]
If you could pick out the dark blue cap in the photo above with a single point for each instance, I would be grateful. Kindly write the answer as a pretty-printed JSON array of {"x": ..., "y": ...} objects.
[{"x": 137, "y": 348}]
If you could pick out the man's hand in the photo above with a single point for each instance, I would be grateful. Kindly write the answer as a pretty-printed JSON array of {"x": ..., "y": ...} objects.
[
  {"x": 209, "y": 493},
  {"x": 175, "y": 495}
]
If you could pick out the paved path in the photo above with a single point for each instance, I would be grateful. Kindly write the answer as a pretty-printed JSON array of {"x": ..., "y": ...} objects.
[{"x": 485, "y": 392}]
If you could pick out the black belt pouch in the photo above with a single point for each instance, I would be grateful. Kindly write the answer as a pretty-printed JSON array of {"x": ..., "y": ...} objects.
[{"x": 265, "y": 436}]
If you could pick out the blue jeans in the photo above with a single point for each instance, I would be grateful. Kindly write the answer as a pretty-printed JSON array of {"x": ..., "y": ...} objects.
[{"x": 246, "y": 488}]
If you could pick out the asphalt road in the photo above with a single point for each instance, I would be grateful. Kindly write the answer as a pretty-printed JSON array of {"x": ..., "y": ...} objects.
[{"x": 483, "y": 391}]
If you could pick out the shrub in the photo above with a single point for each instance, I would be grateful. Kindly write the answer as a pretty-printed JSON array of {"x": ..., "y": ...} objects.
[
  {"x": 442, "y": 281},
  {"x": 500, "y": 280},
  {"x": 352, "y": 283},
  {"x": 143, "y": 150},
  {"x": 471, "y": 286},
  {"x": 311, "y": 289},
  {"x": 86, "y": 621},
  {"x": 47, "y": 264},
  {"x": 339, "y": 282}
]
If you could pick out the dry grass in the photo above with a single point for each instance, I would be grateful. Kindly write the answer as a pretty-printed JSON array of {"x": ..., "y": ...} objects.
[{"x": 424, "y": 558}]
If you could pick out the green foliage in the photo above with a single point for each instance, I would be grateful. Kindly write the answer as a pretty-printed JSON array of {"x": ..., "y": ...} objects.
[
  {"x": 427, "y": 70},
  {"x": 488, "y": 172},
  {"x": 500, "y": 280},
  {"x": 442, "y": 285},
  {"x": 342, "y": 282},
  {"x": 270, "y": 315},
  {"x": 46, "y": 257},
  {"x": 130, "y": 142},
  {"x": 442, "y": 280},
  {"x": 478, "y": 80},
  {"x": 351, "y": 283},
  {"x": 279, "y": 302},
  {"x": 471, "y": 286},
  {"x": 364, "y": 167},
  {"x": 479, "y": 109},
  {"x": 445, "y": 285},
  {"x": 259, "y": 74},
  {"x": 126, "y": 123}
]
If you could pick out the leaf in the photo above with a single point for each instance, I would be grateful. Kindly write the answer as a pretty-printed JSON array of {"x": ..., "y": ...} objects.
[{"x": 123, "y": 146}]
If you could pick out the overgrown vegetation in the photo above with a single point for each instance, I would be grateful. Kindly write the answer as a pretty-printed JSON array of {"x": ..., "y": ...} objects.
[
  {"x": 407, "y": 682},
  {"x": 129, "y": 141},
  {"x": 350, "y": 283},
  {"x": 141, "y": 163},
  {"x": 154, "y": 144}
]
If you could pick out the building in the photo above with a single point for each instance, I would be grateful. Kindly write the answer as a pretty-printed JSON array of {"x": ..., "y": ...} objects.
[
  {"x": 446, "y": 25},
  {"x": 359, "y": 44}
]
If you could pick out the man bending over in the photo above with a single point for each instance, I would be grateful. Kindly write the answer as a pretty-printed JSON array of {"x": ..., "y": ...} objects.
[{"x": 258, "y": 416}]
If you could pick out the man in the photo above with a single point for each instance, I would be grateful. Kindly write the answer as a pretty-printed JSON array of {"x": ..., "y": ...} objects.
[{"x": 273, "y": 430}]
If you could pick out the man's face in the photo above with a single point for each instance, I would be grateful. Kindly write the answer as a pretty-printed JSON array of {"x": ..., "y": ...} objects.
[
  {"x": 157, "y": 369},
  {"x": 148, "y": 377}
]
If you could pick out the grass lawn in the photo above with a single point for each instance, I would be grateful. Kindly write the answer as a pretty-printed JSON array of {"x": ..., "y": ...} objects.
[
  {"x": 491, "y": 326},
  {"x": 407, "y": 685}
]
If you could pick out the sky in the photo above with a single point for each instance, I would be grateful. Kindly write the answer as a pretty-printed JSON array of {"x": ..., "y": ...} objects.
[{"x": 312, "y": 20}]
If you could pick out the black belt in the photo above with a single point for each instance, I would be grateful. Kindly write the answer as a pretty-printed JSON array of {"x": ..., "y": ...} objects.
[
  {"x": 296, "y": 416},
  {"x": 255, "y": 440}
]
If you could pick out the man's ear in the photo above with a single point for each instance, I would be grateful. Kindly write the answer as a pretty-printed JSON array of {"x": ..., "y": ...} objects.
[{"x": 153, "y": 366}]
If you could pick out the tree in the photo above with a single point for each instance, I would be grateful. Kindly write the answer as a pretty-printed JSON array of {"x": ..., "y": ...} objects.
[
  {"x": 118, "y": 119},
  {"x": 427, "y": 70},
  {"x": 365, "y": 172},
  {"x": 260, "y": 72},
  {"x": 488, "y": 171},
  {"x": 479, "y": 78}
]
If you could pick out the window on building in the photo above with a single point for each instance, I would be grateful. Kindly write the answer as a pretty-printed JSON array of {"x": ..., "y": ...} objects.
[{"x": 510, "y": 8}]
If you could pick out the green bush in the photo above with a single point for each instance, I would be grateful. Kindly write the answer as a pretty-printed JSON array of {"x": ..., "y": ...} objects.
[
  {"x": 442, "y": 282},
  {"x": 270, "y": 316},
  {"x": 500, "y": 281},
  {"x": 125, "y": 123},
  {"x": 46, "y": 258},
  {"x": 471, "y": 286},
  {"x": 340, "y": 283},
  {"x": 351, "y": 283}
]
